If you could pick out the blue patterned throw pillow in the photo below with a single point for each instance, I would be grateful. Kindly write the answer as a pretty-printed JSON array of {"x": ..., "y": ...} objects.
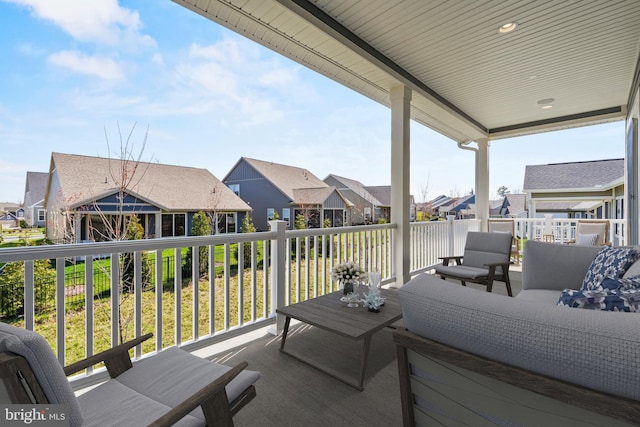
[
  {"x": 621, "y": 284},
  {"x": 604, "y": 299},
  {"x": 609, "y": 262}
]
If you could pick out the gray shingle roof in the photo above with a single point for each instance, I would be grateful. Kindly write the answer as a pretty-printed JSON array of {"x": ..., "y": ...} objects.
[
  {"x": 286, "y": 178},
  {"x": 313, "y": 196},
  {"x": 382, "y": 193},
  {"x": 358, "y": 188},
  {"x": 84, "y": 179},
  {"x": 556, "y": 176}
]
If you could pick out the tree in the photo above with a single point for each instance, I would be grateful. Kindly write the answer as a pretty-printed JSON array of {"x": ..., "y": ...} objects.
[
  {"x": 503, "y": 191},
  {"x": 12, "y": 287},
  {"x": 126, "y": 171},
  {"x": 201, "y": 226}
]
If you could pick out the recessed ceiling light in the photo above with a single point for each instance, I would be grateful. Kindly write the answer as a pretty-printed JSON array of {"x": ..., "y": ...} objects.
[
  {"x": 546, "y": 101},
  {"x": 508, "y": 27},
  {"x": 546, "y": 107}
]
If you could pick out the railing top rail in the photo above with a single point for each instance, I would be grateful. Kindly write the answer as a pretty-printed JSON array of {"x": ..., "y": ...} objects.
[
  {"x": 338, "y": 230},
  {"x": 31, "y": 253}
]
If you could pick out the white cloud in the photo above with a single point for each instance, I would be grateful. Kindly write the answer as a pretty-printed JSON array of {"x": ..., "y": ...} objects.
[
  {"x": 242, "y": 80},
  {"x": 103, "y": 67},
  {"x": 102, "y": 21}
]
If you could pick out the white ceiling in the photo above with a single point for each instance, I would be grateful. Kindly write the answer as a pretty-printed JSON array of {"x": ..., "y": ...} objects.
[{"x": 468, "y": 80}]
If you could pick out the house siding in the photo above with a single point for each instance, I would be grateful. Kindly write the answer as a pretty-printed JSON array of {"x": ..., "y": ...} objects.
[{"x": 258, "y": 193}]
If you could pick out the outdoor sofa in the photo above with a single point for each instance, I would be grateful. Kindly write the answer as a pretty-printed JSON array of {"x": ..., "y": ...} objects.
[{"x": 475, "y": 358}]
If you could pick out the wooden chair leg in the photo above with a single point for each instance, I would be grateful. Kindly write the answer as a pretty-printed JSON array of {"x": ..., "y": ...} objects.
[{"x": 507, "y": 282}]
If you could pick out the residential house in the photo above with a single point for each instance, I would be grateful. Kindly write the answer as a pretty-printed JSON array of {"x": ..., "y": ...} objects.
[
  {"x": 279, "y": 191},
  {"x": 34, "y": 192},
  {"x": 370, "y": 203},
  {"x": 10, "y": 215},
  {"x": 510, "y": 206},
  {"x": 85, "y": 195},
  {"x": 589, "y": 189}
]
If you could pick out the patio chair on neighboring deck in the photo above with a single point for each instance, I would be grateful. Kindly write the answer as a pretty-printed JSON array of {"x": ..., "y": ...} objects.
[
  {"x": 506, "y": 226},
  {"x": 170, "y": 387},
  {"x": 485, "y": 260},
  {"x": 592, "y": 232}
]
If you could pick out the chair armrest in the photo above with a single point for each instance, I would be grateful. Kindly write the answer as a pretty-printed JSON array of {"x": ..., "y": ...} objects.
[
  {"x": 116, "y": 359},
  {"x": 446, "y": 259},
  {"x": 212, "y": 398}
]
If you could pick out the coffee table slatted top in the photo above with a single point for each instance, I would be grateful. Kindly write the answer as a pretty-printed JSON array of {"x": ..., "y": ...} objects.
[{"x": 329, "y": 313}]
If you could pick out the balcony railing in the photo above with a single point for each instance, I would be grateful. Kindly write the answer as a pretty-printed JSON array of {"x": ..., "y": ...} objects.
[{"x": 247, "y": 276}]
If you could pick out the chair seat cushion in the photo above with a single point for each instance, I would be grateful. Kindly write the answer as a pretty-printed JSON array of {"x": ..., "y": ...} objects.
[
  {"x": 115, "y": 404},
  {"x": 462, "y": 271},
  {"x": 174, "y": 374}
]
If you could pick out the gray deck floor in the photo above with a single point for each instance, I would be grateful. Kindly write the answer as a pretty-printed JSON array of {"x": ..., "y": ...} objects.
[{"x": 291, "y": 393}]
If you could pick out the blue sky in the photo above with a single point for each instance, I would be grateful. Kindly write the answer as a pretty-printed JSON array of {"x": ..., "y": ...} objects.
[{"x": 74, "y": 72}]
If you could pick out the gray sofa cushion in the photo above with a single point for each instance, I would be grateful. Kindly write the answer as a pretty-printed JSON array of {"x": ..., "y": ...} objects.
[
  {"x": 595, "y": 349},
  {"x": 547, "y": 296},
  {"x": 555, "y": 267}
]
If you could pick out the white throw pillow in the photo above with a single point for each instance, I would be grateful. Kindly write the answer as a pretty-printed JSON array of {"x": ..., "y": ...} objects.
[{"x": 587, "y": 239}]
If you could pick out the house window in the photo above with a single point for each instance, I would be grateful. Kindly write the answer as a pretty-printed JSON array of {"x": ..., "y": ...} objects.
[
  {"x": 270, "y": 214},
  {"x": 235, "y": 188},
  {"x": 227, "y": 223},
  {"x": 286, "y": 216},
  {"x": 173, "y": 225},
  {"x": 41, "y": 215}
]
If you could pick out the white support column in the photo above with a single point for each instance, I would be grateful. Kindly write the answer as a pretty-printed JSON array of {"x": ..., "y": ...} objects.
[
  {"x": 482, "y": 182},
  {"x": 278, "y": 280},
  {"x": 400, "y": 147}
]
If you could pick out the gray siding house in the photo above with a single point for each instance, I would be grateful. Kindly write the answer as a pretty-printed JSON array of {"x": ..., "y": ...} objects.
[
  {"x": 34, "y": 192},
  {"x": 589, "y": 189},
  {"x": 85, "y": 194},
  {"x": 274, "y": 190}
]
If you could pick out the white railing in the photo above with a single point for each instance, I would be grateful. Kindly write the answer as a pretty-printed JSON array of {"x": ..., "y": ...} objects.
[
  {"x": 434, "y": 239},
  {"x": 562, "y": 230},
  {"x": 281, "y": 267}
]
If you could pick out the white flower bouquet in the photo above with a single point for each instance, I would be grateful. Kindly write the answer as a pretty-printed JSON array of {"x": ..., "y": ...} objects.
[{"x": 348, "y": 274}]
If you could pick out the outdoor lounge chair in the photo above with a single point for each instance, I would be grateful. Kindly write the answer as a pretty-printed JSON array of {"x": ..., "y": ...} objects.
[
  {"x": 506, "y": 226},
  {"x": 170, "y": 387},
  {"x": 591, "y": 232},
  {"x": 485, "y": 260}
]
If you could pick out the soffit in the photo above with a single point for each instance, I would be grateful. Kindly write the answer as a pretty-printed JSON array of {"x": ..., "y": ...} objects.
[{"x": 468, "y": 80}]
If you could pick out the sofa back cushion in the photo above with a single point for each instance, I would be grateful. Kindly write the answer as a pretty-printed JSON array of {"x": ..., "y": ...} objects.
[{"x": 555, "y": 266}]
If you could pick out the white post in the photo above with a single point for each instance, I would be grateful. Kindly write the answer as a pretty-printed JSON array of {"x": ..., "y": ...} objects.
[
  {"x": 158, "y": 230},
  {"x": 482, "y": 183},
  {"x": 400, "y": 210},
  {"x": 278, "y": 283}
]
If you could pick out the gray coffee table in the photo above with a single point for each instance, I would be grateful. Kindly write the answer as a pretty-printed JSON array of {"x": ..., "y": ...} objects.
[{"x": 329, "y": 313}]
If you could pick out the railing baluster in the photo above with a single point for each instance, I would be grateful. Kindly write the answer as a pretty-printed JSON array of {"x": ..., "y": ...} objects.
[
  {"x": 60, "y": 310},
  {"x": 240, "y": 284},
  {"x": 159, "y": 287},
  {"x": 212, "y": 289},
  {"x": 254, "y": 267},
  {"x": 177, "y": 290},
  {"x": 137, "y": 301},
  {"x": 115, "y": 299},
  {"x": 89, "y": 318},
  {"x": 195, "y": 292},
  {"x": 227, "y": 286}
]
